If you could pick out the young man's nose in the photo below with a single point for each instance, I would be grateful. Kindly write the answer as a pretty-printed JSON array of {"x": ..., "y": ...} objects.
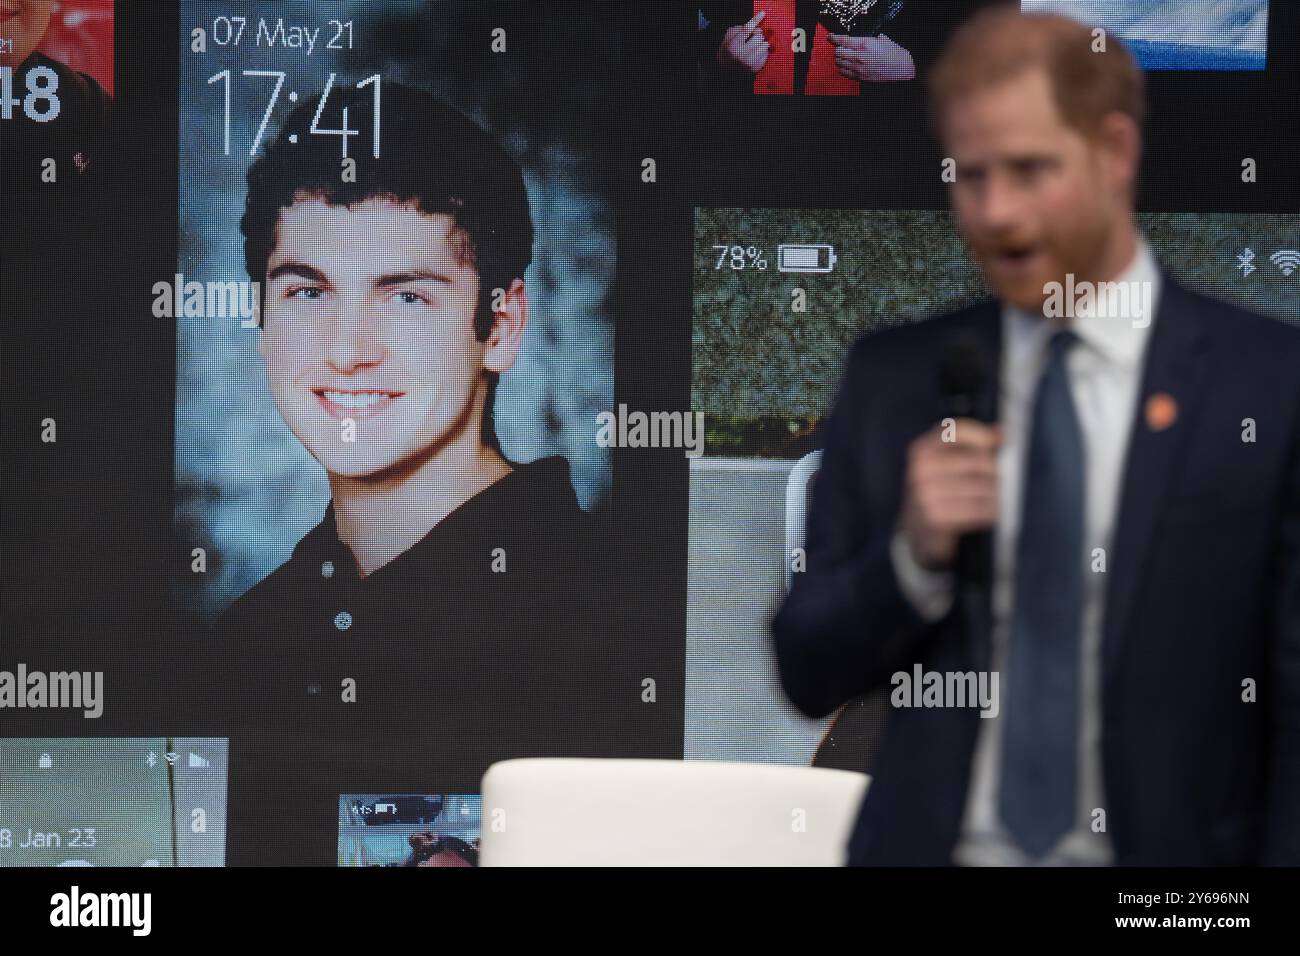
[{"x": 353, "y": 338}]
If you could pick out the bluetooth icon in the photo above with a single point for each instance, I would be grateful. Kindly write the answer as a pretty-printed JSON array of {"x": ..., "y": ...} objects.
[{"x": 1245, "y": 262}]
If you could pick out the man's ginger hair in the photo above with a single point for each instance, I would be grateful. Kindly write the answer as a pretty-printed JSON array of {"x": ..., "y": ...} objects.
[{"x": 1091, "y": 73}]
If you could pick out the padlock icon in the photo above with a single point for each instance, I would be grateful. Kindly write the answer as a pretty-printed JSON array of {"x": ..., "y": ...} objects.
[{"x": 45, "y": 762}]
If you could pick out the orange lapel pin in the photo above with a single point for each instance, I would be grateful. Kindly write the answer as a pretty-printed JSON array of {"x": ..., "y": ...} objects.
[{"x": 1161, "y": 411}]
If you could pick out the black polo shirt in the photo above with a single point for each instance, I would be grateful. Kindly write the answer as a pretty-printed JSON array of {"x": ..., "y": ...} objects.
[{"x": 492, "y": 637}]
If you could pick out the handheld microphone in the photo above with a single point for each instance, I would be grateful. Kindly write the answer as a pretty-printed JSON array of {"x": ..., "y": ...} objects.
[{"x": 961, "y": 378}]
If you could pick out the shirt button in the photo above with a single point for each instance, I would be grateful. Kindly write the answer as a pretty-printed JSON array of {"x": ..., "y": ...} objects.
[
  {"x": 327, "y": 569},
  {"x": 343, "y": 620}
]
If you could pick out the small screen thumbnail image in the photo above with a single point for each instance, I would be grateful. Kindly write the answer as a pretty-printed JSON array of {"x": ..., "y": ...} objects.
[
  {"x": 384, "y": 829},
  {"x": 119, "y": 801},
  {"x": 1209, "y": 35},
  {"x": 780, "y": 296}
]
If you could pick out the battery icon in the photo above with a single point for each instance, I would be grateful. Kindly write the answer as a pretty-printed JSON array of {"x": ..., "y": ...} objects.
[{"x": 805, "y": 257}]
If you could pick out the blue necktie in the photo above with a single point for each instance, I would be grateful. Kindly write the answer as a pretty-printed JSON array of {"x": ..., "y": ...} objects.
[{"x": 1041, "y": 722}]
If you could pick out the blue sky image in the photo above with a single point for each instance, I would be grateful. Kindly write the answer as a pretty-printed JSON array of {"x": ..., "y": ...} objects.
[{"x": 1177, "y": 34}]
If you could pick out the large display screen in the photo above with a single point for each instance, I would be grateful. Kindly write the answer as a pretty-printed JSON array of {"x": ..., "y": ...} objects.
[{"x": 392, "y": 388}]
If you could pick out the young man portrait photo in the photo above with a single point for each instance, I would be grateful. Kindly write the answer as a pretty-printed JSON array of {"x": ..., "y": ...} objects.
[{"x": 392, "y": 301}]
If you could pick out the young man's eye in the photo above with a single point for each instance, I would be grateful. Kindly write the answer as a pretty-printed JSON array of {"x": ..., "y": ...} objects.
[
  {"x": 305, "y": 292},
  {"x": 407, "y": 297}
]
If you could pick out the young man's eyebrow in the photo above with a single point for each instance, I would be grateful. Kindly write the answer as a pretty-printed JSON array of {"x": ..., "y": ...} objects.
[
  {"x": 299, "y": 269},
  {"x": 412, "y": 275}
]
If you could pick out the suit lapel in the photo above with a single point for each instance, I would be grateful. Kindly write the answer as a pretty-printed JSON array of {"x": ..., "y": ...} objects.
[{"x": 1176, "y": 363}]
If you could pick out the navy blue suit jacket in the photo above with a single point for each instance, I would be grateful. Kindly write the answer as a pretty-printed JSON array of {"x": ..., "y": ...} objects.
[{"x": 1203, "y": 593}]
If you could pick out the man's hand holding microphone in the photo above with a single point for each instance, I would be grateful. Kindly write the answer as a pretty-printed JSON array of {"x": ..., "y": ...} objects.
[{"x": 950, "y": 489}]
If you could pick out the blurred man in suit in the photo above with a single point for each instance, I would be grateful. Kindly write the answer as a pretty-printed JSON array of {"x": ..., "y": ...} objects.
[{"x": 1097, "y": 500}]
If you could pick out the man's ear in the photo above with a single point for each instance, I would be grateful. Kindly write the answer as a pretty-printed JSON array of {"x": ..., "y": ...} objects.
[{"x": 507, "y": 334}]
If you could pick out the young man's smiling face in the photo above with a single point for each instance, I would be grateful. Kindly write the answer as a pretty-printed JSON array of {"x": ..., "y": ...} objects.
[
  {"x": 22, "y": 26},
  {"x": 369, "y": 321}
]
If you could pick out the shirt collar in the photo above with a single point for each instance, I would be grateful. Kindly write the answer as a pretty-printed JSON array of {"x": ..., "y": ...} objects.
[
  {"x": 1119, "y": 338},
  {"x": 503, "y": 510}
]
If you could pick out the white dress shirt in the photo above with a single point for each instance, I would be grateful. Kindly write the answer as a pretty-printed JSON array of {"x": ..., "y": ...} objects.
[{"x": 1105, "y": 369}]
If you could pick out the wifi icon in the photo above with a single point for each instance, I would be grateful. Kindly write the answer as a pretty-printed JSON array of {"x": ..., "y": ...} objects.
[{"x": 1288, "y": 260}]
